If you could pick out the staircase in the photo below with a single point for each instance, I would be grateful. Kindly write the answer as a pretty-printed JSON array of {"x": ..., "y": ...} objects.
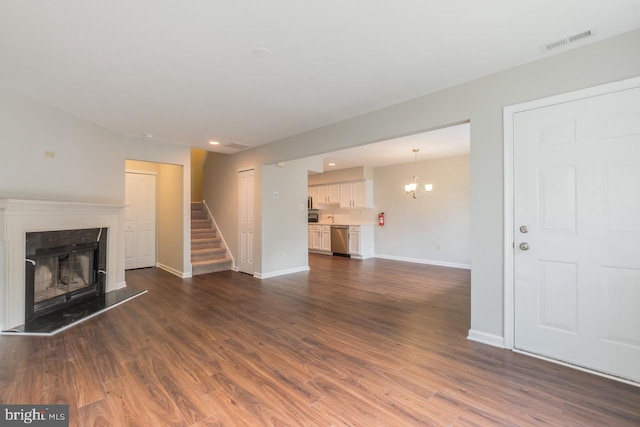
[{"x": 208, "y": 254}]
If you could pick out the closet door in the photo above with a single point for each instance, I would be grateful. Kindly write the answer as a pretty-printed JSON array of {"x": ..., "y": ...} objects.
[{"x": 140, "y": 220}]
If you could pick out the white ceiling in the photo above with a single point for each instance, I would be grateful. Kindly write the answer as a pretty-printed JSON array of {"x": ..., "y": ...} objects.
[{"x": 185, "y": 71}]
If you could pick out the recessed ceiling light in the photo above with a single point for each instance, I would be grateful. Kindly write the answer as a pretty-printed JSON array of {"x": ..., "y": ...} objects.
[
  {"x": 261, "y": 52},
  {"x": 332, "y": 164},
  {"x": 148, "y": 135},
  {"x": 214, "y": 143}
]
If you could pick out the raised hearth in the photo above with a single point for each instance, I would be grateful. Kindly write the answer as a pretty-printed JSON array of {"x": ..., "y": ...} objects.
[{"x": 59, "y": 320}]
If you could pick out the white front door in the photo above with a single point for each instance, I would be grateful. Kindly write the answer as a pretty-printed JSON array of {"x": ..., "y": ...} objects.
[
  {"x": 245, "y": 220},
  {"x": 140, "y": 217},
  {"x": 577, "y": 232}
]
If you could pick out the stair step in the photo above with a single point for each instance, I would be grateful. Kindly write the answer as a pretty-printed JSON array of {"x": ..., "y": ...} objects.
[
  {"x": 198, "y": 215},
  {"x": 204, "y": 235},
  {"x": 198, "y": 224},
  {"x": 212, "y": 266},
  {"x": 209, "y": 243},
  {"x": 205, "y": 254},
  {"x": 203, "y": 230}
]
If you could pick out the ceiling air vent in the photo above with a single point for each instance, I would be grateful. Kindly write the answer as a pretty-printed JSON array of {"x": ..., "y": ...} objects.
[
  {"x": 563, "y": 42},
  {"x": 237, "y": 146}
]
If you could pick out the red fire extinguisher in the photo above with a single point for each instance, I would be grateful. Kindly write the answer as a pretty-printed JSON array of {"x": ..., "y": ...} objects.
[{"x": 381, "y": 219}]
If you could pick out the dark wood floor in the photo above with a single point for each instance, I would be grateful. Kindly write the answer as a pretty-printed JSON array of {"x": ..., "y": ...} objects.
[{"x": 357, "y": 343}]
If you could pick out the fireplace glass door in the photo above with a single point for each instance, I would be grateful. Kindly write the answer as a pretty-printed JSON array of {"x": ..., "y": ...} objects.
[
  {"x": 59, "y": 275},
  {"x": 62, "y": 267}
]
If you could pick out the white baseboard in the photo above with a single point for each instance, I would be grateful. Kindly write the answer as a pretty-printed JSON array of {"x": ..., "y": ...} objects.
[
  {"x": 425, "y": 261},
  {"x": 485, "y": 338},
  {"x": 173, "y": 271},
  {"x": 118, "y": 285},
  {"x": 280, "y": 272}
]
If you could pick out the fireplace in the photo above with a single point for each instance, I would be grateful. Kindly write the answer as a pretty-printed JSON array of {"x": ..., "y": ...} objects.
[
  {"x": 63, "y": 268},
  {"x": 21, "y": 217}
]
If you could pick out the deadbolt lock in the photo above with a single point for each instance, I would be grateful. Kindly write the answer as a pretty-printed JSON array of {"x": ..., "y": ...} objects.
[{"x": 524, "y": 229}]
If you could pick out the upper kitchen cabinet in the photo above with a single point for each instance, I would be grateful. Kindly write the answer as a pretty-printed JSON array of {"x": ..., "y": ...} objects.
[
  {"x": 356, "y": 194},
  {"x": 325, "y": 193}
]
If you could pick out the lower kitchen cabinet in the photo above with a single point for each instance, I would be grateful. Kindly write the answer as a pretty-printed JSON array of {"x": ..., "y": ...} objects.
[
  {"x": 361, "y": 241},
  {"x": 320, "y": 238}
]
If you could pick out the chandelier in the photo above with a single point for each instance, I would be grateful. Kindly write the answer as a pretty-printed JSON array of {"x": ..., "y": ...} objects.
[{"x": 412, "y": 188}]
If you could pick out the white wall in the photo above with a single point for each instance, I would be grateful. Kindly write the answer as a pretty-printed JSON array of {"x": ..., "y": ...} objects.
[
  {"x": 197, "y": 159},
  {"x": 480, "y": 101},
  {"x": 283, "y": 217},
  {"x": 170, "y": 219},
  {"x": 436, "y": 227},
  {"x": 88, "y": 164},
  {"x": 89, "y": 161}
]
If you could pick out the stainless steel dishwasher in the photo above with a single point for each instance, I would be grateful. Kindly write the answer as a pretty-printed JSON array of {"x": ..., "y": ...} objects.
[{"x": 340, "y": 240}]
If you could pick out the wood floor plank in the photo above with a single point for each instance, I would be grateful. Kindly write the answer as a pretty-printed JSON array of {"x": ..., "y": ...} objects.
[{"x": 349, "y": 343}]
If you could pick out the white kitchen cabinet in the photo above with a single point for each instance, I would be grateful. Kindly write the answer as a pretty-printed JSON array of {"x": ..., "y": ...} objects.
[
  {"x": 316, "y": 236},
  {"x": 356, "y": 194},
  {"x": 361, "y": 241},
  {"x": 325, "y": 193},
  {"x": 346, "y": 198},
  {"x": 321, "y": 194},
  {"x": 313, "y": 193},
  {"x": 325, "y": 240},
  {"x": 333, "y": 193},
  {"x": 354, "y": 240},
  {"x": 320, "y": 238}
]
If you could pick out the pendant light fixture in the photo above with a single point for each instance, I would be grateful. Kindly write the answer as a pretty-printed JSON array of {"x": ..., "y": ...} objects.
[{"x": 412, "y": 188}]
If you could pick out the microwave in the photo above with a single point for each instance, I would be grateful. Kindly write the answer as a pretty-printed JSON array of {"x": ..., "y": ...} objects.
[{"x": 314, "y": 215}]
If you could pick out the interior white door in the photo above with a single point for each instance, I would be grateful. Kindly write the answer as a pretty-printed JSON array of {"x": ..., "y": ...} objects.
[
  {"x": 577, "y": 232},
  {"x": 140, "y": 220},
  {"x": 245, "y": 221}
]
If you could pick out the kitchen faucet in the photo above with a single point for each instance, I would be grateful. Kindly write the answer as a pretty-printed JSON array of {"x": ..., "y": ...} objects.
[{"x": 331, "y": 218}]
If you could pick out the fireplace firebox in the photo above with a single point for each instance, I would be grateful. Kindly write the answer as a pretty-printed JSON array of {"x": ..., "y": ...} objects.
[{"x": 62, "y": 268}]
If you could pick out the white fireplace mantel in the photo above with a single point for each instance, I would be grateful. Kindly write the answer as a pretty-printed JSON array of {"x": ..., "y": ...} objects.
[{"x": 18, "y": 217}]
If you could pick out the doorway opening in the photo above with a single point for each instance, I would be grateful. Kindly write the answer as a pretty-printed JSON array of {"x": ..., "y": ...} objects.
[{"x": 169, "y": 225}]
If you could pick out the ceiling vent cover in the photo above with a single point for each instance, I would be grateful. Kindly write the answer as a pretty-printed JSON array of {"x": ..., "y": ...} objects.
[
  {"x": 571, "y": 39},
  {"x": 237, "y": 146}
]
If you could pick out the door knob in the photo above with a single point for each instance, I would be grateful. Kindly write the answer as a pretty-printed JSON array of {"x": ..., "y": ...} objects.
[{"x": 524, "y": 246}]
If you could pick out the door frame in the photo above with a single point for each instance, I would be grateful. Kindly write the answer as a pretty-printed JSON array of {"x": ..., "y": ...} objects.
[{"x": 509, "y": 231}]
